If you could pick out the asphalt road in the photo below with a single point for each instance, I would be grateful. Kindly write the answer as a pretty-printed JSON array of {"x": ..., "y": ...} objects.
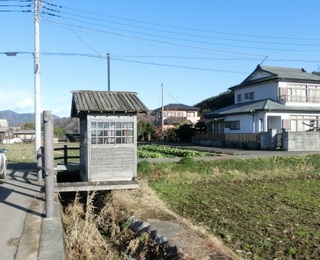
[{"x": 21, "y": 212}]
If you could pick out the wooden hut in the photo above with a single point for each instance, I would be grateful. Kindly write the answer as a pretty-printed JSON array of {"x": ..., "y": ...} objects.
[{"x": 108, "y": 134}]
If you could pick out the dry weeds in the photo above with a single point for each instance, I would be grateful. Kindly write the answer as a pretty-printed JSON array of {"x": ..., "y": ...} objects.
[
  {"x": 83, "y": 239},
  {"x": 98, "y": 229},
  {"x": 194, "y": 241}
]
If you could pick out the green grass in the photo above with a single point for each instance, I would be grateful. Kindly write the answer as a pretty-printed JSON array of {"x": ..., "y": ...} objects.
[
  {"x": 261, "y": 208},
  {"x": 25, "y": 153},
  {"x": 160, "y": 151}
]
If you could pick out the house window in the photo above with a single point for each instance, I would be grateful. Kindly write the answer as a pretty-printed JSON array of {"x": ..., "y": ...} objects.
[
  {"x": 191, "y": 114},
  {"x": 170, "y": 114},
  {"x": 249, "y": 96},
  {"x": 300, "y": 93},
  {"x": 179, "y": 114},
  {"x": 112, "y": 132},
  {"x": 232, "y": 125},
  {"x": 239, "y": 97},
  {"x": 303, "y": 123}
]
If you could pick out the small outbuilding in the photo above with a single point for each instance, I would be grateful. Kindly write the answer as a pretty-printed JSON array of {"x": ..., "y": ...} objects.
[{"x": 108, "y": 134}]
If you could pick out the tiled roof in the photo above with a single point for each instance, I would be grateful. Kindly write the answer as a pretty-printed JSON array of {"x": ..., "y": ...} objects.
[
  {"x": 280, "y": 73},
  {"x": 106, "y": 101},
  {"x": 290, "y": 73},
  {"x": 260, "y": 105},
  {"x": 178, "y": 107}
]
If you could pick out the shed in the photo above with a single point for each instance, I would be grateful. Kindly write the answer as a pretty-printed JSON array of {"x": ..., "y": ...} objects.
[{"x": 108, "y": 134}]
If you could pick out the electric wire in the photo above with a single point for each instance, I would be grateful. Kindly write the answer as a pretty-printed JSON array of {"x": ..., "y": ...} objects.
[
  {"x": 181, "y": 27},
  {"x": 59, "y": 14}
]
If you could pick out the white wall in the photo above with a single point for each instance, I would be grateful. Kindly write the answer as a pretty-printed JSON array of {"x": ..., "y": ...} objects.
[
  {"x": 245, "y": 124},
  {"x": 261, "y": 91}
]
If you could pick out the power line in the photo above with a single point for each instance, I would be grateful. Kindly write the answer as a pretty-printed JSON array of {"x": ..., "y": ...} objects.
[
  {"x": 165, "y": 43},
  {"x": 179, "y": 66},
  {"x": 174, "y": 32},
  {"x": 130, "y": 37},
  {"x": 184, "y": 28},
  {"x": 201, "y": 42}
]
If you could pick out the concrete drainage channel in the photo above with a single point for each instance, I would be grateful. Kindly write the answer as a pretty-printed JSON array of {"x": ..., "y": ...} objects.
[{"x": 156, "y": 228}]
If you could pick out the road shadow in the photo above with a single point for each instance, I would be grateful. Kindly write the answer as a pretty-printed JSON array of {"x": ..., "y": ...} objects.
[{"x": 21, "y": 185}]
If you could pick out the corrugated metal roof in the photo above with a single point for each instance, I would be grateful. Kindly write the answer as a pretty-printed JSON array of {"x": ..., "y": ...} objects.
[
  {"x": 266, "y": 104},
  {"x": 106, "y": 101}
]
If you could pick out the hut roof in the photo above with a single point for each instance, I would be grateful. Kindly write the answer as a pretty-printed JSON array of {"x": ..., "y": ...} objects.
[{"x": 86, "y": 101}]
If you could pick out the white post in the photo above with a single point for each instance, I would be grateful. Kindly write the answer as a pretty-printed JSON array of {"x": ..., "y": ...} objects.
[
  {"x": 108, "y": 68},
  {"x": 162, "y": 114},
  {"x": 37, "y": 107}
]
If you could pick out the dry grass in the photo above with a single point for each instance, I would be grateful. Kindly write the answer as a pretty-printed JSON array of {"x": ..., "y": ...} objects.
[
  {"x": 98, "y": 229},
  {"x": 83, "y": 239},
  {"x": 195, "y": 241}
]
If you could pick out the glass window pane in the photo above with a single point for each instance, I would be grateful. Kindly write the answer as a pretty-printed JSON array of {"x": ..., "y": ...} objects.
[
  {"x": 124, "y": 132},
  {"x": 118, "y": 133},
  {"x": 100, "y": 125},
  {"x": 118, "y": 124},
  {"x": 118, "y": 140}
]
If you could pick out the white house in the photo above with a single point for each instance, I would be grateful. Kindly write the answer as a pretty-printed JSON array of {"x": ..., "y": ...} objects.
[{"x": 270, "y": 98}]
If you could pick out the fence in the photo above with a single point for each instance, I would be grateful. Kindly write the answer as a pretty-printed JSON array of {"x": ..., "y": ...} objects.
[
  {"x": 241, "y": 140},
  {"x": 238, "y": 137},
  {"x": 66, "y": 156}
]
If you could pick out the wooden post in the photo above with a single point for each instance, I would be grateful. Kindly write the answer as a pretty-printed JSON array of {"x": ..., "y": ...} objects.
[{"x": 48, "y": 162}]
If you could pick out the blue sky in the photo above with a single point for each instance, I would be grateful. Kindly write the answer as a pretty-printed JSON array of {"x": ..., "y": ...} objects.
[{"x": 196, "y": 48}]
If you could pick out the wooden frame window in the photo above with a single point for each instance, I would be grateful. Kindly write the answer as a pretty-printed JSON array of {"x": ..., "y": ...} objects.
[{"x": 112, "y": 133}]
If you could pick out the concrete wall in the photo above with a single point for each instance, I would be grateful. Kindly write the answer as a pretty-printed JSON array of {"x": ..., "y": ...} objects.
[
  {"x": 271, "y": 140},
  {"x": 301, "y": 141}
]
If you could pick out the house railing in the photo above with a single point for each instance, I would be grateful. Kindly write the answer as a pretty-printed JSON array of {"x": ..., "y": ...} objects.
[{"x": 299, "y": 99}]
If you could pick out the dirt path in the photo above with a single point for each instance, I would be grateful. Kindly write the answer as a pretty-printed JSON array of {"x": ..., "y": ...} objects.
[{"x": 194, "y": 241}]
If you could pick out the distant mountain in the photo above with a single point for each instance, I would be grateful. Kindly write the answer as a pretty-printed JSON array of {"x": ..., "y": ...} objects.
[{"x": 16, "y": 119}]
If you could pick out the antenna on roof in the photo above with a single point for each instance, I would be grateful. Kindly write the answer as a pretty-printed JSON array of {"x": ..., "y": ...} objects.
[{"x": 263, "y": 60}]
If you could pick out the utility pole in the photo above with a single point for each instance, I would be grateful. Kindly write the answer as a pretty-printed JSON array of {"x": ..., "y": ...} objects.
[
  {"x": 108, "y": 68},
  {"x": 36, "y": 55},
  {"x": 162, "y": 113}
]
